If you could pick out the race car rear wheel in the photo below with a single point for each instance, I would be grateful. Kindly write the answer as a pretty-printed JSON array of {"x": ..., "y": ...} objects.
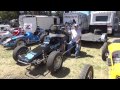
[
  {"x": 20, "y": 43},
  {"x": 87, "y": 72},
  {"x": 20, "y": 50},
  {"x": 54, "y": 61}
]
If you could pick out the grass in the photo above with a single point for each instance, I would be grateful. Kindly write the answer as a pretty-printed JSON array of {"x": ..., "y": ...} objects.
[{"x": 90, "y": 54}]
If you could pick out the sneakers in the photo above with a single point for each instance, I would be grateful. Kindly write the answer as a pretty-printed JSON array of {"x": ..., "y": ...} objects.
[{"x": 77, "y": 56}]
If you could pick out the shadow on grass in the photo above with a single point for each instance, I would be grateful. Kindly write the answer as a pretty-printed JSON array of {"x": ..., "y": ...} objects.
[
  {"x": 37, "y": 71},
  {"x": 40, "y": 70},
  {"x": 62, "y": 73},
  {"x": 10, "y": 48},
  {"x": 20, "y": 64},
  {"x": 82, "y": 55},
  {"x": 96, "y": 45}
]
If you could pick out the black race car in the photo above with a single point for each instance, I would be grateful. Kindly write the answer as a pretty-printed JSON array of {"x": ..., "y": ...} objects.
[{"x": 50, "y": 52}]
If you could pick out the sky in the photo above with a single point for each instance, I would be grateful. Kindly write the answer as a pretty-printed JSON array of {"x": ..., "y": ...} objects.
[{"x": 86, "y": 12}]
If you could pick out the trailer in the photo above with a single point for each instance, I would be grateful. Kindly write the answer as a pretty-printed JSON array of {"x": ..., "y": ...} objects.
[
  {"x": 30, "y": 22},
  {"x": 107, "y": 21},
  {"x": 102, "y": 23},
  {"x": 78, "y": 18}
]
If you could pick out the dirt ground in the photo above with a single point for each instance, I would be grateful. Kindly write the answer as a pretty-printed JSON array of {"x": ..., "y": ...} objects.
[{"x": 90, "y": 54}]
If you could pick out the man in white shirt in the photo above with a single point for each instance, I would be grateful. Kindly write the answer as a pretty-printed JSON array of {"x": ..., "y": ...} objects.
[{"x": 76, "y": 40}]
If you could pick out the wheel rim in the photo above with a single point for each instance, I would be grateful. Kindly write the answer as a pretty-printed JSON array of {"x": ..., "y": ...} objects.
[
  {"x": 90, "y": 75},
  {"x": 20, "y": 43},
  {"x": 57, "y": 63}
]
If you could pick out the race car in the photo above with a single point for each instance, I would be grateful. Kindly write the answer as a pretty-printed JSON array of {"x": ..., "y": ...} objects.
[
  {"x": 111, "y": 54},
  {"x": 27, "y": 38},
  {"x": 50, "y": 52},
  {"x": 5, "y": 34}
]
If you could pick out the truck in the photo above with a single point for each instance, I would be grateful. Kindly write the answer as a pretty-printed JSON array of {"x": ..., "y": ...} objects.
[
  {"x": 77, "y": 17},
  {"x": 102, "y": 23},
  {"x": 30, "y": 22}
]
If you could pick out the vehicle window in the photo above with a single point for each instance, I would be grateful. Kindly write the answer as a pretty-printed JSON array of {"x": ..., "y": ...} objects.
[{"x": 101, "y": 18}]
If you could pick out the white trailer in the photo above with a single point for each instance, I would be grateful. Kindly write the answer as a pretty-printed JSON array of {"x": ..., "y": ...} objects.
[
  {"x": 101, "y": 24},
  {"x": 30, "y": 22},
  {"x": 107, "y": 21},
  {"x": 80, "y": 18}
]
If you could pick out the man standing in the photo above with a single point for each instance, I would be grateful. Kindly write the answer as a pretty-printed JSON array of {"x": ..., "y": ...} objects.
[{"x": 76, "y": 40}]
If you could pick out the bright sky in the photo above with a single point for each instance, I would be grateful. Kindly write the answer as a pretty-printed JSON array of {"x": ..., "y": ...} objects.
[{"x": 86, "y": 12}]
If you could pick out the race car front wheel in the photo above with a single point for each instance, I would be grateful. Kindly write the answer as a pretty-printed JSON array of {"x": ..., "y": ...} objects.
[
  {"x": 20, "y": 50},
  {"x": 54, "y": 61}
]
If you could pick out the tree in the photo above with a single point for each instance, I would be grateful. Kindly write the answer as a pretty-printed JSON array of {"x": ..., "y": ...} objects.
[{"x": 8, "y": 15}]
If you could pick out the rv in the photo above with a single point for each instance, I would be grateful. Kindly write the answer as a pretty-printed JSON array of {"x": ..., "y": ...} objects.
[
  {"x": 30, "y": 22},
  {"x": 106, "y": 21},
  {"x": 78, "y": 18}
]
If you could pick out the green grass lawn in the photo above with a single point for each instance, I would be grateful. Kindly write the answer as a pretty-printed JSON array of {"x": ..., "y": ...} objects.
[{"x": 90, "y": 54}]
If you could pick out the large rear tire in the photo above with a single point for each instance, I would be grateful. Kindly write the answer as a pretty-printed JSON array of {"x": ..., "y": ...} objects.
[
  {"x": 54, "y": 61},
  {"x": 87, "y": 72}
]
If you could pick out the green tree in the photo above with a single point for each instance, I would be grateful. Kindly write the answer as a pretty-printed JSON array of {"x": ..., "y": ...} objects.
[{"x": 8, "y": 15}]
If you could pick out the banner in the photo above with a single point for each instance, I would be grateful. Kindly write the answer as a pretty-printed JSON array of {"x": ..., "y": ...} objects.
[{"x": 28, "y": 27}]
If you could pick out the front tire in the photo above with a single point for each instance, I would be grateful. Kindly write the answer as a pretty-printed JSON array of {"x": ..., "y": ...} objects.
[
  {"x": 104, "y": 51},
  {"x": 19, "y": 51},
  {"x": 87, "y": 72},
  {"x": 54, "y": 61}
]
